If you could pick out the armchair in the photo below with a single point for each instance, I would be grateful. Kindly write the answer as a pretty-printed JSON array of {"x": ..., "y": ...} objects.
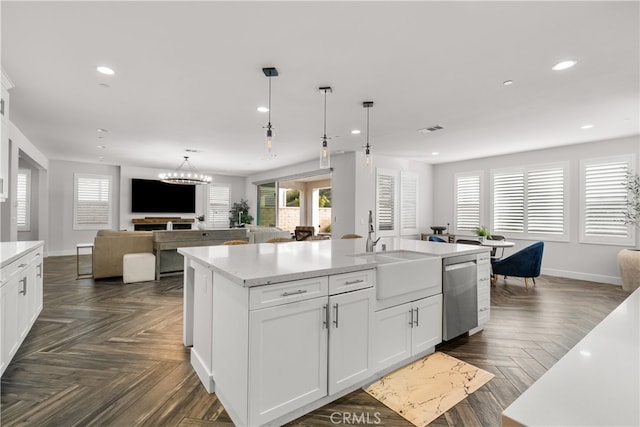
[{"x": 524, "y": 263}]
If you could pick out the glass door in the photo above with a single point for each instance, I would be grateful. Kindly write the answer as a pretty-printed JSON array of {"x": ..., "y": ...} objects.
[{"x": 267, "y": 204}]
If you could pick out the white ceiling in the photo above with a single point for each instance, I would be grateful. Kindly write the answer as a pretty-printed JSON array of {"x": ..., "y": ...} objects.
[{"x": 188, "y": 76}]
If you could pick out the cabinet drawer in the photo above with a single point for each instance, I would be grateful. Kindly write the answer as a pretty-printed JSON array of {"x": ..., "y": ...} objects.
[
  {"x": 7, "y": 272},
  {"x": 282, "y": 293},
  {"x": 484, "y": 258},
  {"x": 353, "y": 281}
]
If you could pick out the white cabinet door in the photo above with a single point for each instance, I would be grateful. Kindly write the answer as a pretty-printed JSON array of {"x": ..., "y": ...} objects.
[
  {"x": 350, "y": 338},
  {"x": 484, "y": 294},
  {"x": 287, "y": 358},
  {"x": 24, "y": 315},
  {"x": 392, "y": 336},
  {"x": 427, "y": 323},
  {"x": 9, "y": 307},
  {"x": 203, "y": 317}
]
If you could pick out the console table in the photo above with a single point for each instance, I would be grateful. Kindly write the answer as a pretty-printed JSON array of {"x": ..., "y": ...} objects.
[{"x": 166, "y": 243}]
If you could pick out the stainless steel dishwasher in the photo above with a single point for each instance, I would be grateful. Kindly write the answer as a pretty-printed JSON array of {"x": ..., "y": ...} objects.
[{"x": 460, "y": 292}]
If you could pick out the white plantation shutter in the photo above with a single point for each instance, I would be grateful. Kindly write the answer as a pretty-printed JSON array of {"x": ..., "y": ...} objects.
[
  {"x": 546, "y": 201},
  {"x": 603, "y": 201},
  {"x": 23, "y": 200},
  {"x": 508, "y": 202},
  {"x": 467, "y": 205},
  {"x": 408, "y": 203},
  {"x": 92, "y": 202},
  {"x": 386, "y": 201},
  {"x": 219, "y": 206}
]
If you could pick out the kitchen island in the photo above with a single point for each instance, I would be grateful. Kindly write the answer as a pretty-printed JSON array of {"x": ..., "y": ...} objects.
[{"x": 281, "y": 329}]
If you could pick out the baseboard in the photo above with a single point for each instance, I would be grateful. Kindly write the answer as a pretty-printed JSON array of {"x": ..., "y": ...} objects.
[
  {"x": 63, "y": 253},
  {"x": 599, "y": 278}
]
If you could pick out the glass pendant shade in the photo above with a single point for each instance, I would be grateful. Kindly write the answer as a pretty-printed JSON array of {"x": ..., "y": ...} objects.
[
  {"x": 268, "y": 145},
  {"x": 325, "y": 161}
]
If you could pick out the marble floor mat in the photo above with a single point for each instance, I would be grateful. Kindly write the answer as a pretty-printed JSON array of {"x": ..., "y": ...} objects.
[{"x": 425, "y": 389}]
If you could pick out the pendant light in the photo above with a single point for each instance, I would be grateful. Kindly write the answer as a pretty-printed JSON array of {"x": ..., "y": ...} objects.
[
  {"x": 325, "y": 161},
  {"x": 269, "y": 154},
  {"x": 367, "y": 147},
  {"x": 185, "y": 174}
]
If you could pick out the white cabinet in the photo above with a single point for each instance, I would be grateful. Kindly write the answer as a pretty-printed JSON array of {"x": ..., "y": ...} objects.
[
  {"x": 20, "y": 301},
  {"x": 406, "y": 330},
  {"x": 350, "y": 338},
  {"x": 203, "y": 311},
  {"x": 484, "y": 289},
  {"x": 287, "y": 358},
  {"x": 4, "y": 136}
]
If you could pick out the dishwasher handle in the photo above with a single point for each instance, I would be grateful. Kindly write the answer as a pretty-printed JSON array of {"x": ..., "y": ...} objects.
[{"x": 453, "y": 267}]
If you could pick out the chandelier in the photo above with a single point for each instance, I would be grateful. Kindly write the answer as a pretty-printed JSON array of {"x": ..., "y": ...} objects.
[
  {"x": 325, "y": 161},
  {"x": 367, "y": 146},
  {"x": 184, "y": 174}
]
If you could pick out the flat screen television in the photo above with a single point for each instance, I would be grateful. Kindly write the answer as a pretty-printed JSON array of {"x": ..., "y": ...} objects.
[{"x": 151, "y": 196}]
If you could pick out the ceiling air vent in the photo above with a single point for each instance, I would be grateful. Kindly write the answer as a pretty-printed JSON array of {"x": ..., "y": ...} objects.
[{"x": 430, "y": 129}]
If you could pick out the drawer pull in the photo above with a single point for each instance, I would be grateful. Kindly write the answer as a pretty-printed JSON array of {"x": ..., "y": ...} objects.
[
  {"x": 24, "y": 286},
  {"x": 22, "y": 265},
  {"x": 411, "y": 321},
  {"x": 417, "y": 316},
  {"x": 353, "y": 282},
  {"x": 335, "y": 322},
  {"x": 298, "y": 292},
  {"x": 39, "y": 271},
  {"x": 325, "y": 316}
]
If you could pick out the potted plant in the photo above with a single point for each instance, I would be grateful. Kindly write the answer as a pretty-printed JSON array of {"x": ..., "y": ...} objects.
[
  {"x": 483, "y": 233},
  {"x": 629, "y": 259},
  {"x": 239, "y": 214}
]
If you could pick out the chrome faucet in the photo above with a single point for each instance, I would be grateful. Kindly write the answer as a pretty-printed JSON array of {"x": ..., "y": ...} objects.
[{"x": 371, "y": 243}]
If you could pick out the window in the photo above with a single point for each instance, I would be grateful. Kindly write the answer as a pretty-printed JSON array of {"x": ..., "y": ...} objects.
[
  {"x": 531, "y": 202},
  {"x": 603, "y": 197},
  {"x": 92, "y": 202},
  {"x": 386, "y": 182},
  {"x": 467, "y": 205},
  {"x": 23, "y": 200},
  {"x": 218, "y": 206},
  {"x": 408, "y": 203}
]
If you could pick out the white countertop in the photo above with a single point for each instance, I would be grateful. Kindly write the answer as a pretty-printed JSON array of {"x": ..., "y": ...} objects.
[
  {"x": 10, "y": 251},
  {"x": 266, "y": 263},
  {"x": 597, "y": 383}
]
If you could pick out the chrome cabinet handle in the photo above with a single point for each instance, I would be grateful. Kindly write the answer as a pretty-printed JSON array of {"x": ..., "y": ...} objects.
[
  {"x": 24, "y": 286},
  {"x": 353, "y": 282},
  {"x": 411, "y": 321},
  {"x": 325, "y": 317},
  {"x": 298, "y": 292},
  {"x": 417, "y": 316},
  {"x": 335, "y": 322},
  {"x": 39, "y": 271},
  {"x": 22, "y": 265}
]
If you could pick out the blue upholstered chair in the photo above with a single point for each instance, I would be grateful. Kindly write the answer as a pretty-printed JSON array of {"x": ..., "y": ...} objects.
[
  {"x": 436, "y": 239},
  {"x": 524, "y": 263}
]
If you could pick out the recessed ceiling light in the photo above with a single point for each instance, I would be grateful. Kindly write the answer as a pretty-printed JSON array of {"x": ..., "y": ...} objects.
[
  {"x": 263, "y": 109},
  {"x": 104, "y": 85},
  {"x": 355, "y": 131},
  {"x": 101, "y": 158},
  {"x": 435, "y": 153},
  {"x": 507, "y": 82},
  {"x": 586, "y": 127},
  {"x": 102, "y": 147},
  {"x": 102, "y": 130},
  {"x": 564, "y": 65},
  {"x": 105, "y": 70}
]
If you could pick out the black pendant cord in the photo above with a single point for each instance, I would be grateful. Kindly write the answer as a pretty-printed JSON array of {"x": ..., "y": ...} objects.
[
  {"x": 269, "y": 120},
  {"x": 324, "y": 138}
]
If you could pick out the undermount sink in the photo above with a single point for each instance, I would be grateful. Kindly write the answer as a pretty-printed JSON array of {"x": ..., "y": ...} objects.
[{"x": 403, "y": 272}]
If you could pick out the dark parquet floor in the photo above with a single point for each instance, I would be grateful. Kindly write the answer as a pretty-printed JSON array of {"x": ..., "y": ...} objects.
[{"x": 104, "y": 353}]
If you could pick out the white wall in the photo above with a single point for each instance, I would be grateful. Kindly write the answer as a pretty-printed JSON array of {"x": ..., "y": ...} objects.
[
  {"x": 565, "y": 259},
  {"x": 237, "y": 184},
  {"x": 33, "y": 232},
  {"x": 62, "y": 237},
  {"x": 22, "y": 148},
  {"x": 353, "y": 188}
]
